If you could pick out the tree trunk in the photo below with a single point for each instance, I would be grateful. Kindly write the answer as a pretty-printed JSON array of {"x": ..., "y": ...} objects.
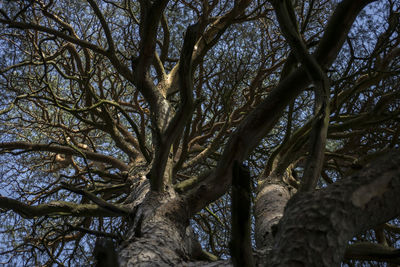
[{"x": 157, "y": 235}]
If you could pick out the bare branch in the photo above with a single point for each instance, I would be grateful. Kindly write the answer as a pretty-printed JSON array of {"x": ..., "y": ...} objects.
[
  {"x": 28, "y": 147},
  {"x": 372, "y": 252},
  {"x": 102, "y": 203},
  {"x": 104, "y": 24},
  {"x": 60, "y": 34},
  {"x": 62, "y": 208}
]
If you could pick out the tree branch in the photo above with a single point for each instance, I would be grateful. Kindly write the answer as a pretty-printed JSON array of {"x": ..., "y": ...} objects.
[
  {"x": 102, "y": 203},
  {"x": 150, "y": 19},
  {"x": 60, "y": 34},
  {"x": 372, "y": 252},
  {"x": 28, "y": 147},
  {"x": 94, "y": 232},
  {"x": 183, "y": 114},
  {"x": 56, "y": 208},
  {"x": 332, "y": 216},
  {"x": 104, "y": 24},
  {"x": 287, "y": 20},
  {"x": 207, "y": 40}
]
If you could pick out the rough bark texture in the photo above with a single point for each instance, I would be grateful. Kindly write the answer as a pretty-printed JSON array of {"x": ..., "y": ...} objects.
[
  {"x": 160, "y": 237},
  {"x": 317, "y": 226},
  {"x": 157, "y": 237}
]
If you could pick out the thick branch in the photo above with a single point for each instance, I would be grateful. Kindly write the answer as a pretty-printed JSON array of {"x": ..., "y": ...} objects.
[
  {"x": 56, "y": 208},
  {"x": 285, "y": 14},
  {"x": 336, "y": 31},
  {"x": 317, "y": 226},
  {"x": 182, "y": 115},
  {"x": 372, "y": 252},
  {"x": 150, "y": 19}
]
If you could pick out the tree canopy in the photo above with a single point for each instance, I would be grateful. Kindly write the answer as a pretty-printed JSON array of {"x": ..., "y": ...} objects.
[{"x": 178, "y": 132}]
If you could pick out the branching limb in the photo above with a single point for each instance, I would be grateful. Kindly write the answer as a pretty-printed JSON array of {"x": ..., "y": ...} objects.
[
  {"x": 102, "y": 203},
  {"x": 207, "y": 40},
  {"x": 287, "y": 20},
  {"x": 28, "y": 147},
  {"x": 60, "y": 34},
  {"x": 183, "y": 114},
  {"x": 150, "y": 16},
  {"x": 56, "y": 208}
]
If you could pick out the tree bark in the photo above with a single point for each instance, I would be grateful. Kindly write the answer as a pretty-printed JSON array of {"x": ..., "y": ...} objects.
[
  {"x": 156, "y": 238},
  {"x": 317, "y": 226}
]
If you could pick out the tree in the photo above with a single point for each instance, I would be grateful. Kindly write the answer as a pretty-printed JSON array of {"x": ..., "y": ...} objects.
[{"x": 183, "y": 133}]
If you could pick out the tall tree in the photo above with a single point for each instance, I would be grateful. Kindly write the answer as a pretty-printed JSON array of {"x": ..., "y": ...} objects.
[{"x": 185, "y": 133}]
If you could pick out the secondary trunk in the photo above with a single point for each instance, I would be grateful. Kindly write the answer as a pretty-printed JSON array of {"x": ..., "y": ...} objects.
[{"x": 272, "y": 197}]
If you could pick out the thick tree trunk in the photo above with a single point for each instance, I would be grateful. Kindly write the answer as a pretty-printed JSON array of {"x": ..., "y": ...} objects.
[{"x": 158, "y": 236}]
